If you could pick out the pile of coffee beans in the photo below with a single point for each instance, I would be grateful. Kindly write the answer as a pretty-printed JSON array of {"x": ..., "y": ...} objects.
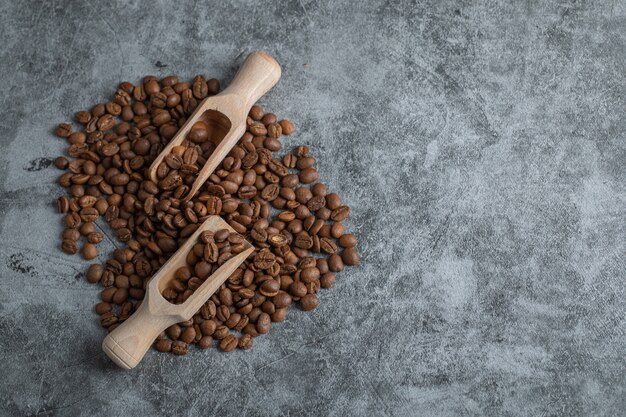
[
  {"x": 182, "y": 164},
  {"x": 276, "y": 203},
  {"x": 210, "y": 252}
]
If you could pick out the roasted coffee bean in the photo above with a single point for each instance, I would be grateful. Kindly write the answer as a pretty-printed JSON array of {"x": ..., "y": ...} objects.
[
  {"x": 89, "y": 251},
  {"x": 333, "y": 201},
  {"x": 63, "y": 204},
  {"x": 340, "y": 213},
  {"x": 245, "y": 342},
  {"x": 174, "y": 332},
  {"x": 270, "y": 288},
  {"x": 297, "y": 289},
  {"x": 336, "y": 230},
  {"x": 69, "y": 246},
  {"x": 347, "y": 241},
  {"x": 188, "y": 335},
  {"x": 208, "y": 327},
  {"x": 287, "y": 127},
  {"x": 61, "y": 162},
  {"x": 180, "y": 348},
  {"x": 264, "y": 259},
  {"x": 205, "y": 342},
  {"x": 63, "y": 130},
  {"x": 73, "y": 220},
  {"x": 281, "y": 300},
  {"x": 263, "y": 323},
  {"x": 308, "y": 175},
  {"x": 164, "y": 345},
  {"x": 349, "y": 256},
  {"x": 199, "y": 132},
  {"x": 309, "y": 302},
  {"x": 309, "y": 274},
  {"x": 327, "y": 280},
  {"x": 229, "y": 343},
  {"x": 303, "y": 241},
  {"x": 221, "y": 332},
  {"x": 103, "y": 308},
  {"x": 82, "y": 117},
  {"x": 94, "y": 273},
  {"x": 71, "y": 234},
  {"x": 328, "y": 246},
  {"x": 335, "y": 263}
]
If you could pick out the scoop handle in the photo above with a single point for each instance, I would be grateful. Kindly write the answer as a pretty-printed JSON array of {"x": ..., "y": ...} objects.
[
  {"x": 129, "y": 342},
  {"x": 256, "y": 76}
]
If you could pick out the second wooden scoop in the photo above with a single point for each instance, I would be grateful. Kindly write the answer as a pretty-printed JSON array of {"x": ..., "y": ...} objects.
[
  {"x": 128, "y": 343},
  {"x": 226, "y": 114}
]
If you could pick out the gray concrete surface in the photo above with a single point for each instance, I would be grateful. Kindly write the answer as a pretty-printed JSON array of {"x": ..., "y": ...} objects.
[{"x": 479, "y": 143}]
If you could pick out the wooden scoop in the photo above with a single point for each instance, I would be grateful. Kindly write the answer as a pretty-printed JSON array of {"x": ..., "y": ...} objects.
[
  {"x": 226, "y": 114},
  {"x": 129, "y": 342}
]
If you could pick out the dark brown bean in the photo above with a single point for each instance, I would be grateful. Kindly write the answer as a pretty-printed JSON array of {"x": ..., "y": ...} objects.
[
  {"x": 309, "y": 302},
  {"x": 349, "y": 256},
  {"x": 229, "y": 343},
  {"x": 163, "y": 345}
]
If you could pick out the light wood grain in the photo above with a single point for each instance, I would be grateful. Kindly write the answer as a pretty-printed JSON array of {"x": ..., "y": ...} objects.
[
  {"x": 128, "y": 343},
  {"x": 226, "y": 114}
]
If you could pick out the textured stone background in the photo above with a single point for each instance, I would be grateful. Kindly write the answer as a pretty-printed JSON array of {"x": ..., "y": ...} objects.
[{"x": 479, "y": 143}]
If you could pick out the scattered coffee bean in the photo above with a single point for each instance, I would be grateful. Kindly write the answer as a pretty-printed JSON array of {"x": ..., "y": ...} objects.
[
  {"x": 94, "y": 273},
  {"x": 309, "y": 302}
]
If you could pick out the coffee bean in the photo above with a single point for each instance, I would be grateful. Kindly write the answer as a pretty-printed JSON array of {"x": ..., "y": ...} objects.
[
  {"x": 335, "y": 263},
  {"x": 340, "y": 213},
  {"x": 105, "y": 122},
  {"x": 221, "y": 332},
  {"x": 309, "y": 302},
  {"x": 205, "y": 342},
  {"x": 287, "y": 127},
  {"x": 336, "y": 230},
  {"x": 199, "y": 132},
  {"x": 349, "y": 256},
  {"x": 308, "y": 175},
  {"x": 264, "y": 259},
  {"x": 188, "y": 335},
  {"x": 333, "y": 201},
  {"x": 174, "y": 332},
  {"x": 279, "y": 315},
  {"x": 281, "y": 300},
  {"x": 82, "y": 117},
  {"x": 94, "y": 273},
  {"x": 180, "y": 348},
  {"x": 270, "y": 288},
  {"x": 89, "y": 214},
  {"x": 164, "y": 345},
  {"x": 229, "y": 343},
  {"x": 208, "y": 327},
  {"x": 108, "y": 319},
  {"x": 327, "y": 245},
  {"x": 245, "y": 342},
  {"x": 69, "y": 246},
  {"x": 263, "y": 323},
  {"x": 199, "y": 87},
  {"x": 103, "y": 308},
  {"x": 72, "y": 220},
  {"x": 120, "y": 296},
  {"x": 71, "y": 234},
  {"x": 347, "y": 241},
  {"x": 327, "y": 280},
  {"x": 305, "y": 162},
  {"x": 63, "y": 130},
  {"x": 303, "y": 240}
]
